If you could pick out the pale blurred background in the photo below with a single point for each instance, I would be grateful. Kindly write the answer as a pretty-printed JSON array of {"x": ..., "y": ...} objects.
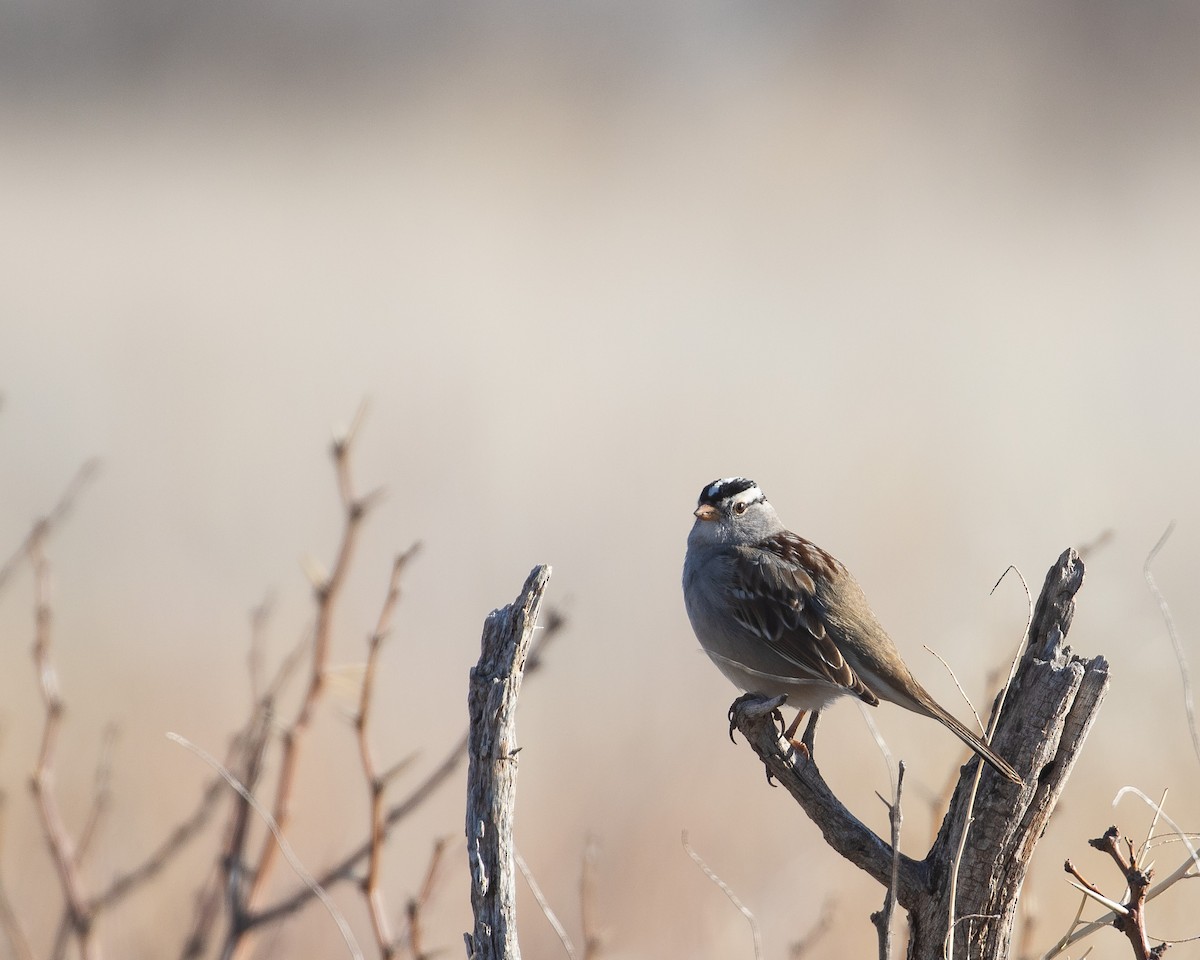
[{"x": 927, "y": 272}]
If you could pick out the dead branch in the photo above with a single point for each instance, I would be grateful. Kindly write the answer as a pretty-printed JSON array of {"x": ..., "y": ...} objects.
[
  {"x": 1051, "y": 705},
  {"x": 544, "y": 905},
  {"x": 328, "y": 592},
  {"x": 345, "y": 869},
  {"x": 414, "y": 934},
  {"x": 592, "y": 941},
  {"x": 10, "y": 923},
  {"x": 799, "y": 948},
  {"x": 377, "y": 783},
  {"x": 882, "y": 919},
  {"x": 1130, "y": 916},
  {"x": 42, "y": 529},
  {"x": 284, "y": 846},
  {"x": 755, "y": 934},
  {"x": 1164, "y": 608},
  {"x": 101, "y": 795},
  {"x": 80, "y": 916},
  {"x": 492, "y": 771}
]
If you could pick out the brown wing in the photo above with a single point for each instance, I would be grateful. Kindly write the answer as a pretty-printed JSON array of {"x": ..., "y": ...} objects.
[{"x": 774, "y": 597}]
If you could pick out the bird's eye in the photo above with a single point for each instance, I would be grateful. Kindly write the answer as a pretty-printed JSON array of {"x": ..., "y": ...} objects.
[{"x": 739, "y": 508}]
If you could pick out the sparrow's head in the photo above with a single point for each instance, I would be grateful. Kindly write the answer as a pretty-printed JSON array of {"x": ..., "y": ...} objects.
[{"x": 734, "y": 510}]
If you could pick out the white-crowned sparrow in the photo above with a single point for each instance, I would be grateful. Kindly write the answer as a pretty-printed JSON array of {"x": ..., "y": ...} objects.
[{"x": 778, "y": 614}]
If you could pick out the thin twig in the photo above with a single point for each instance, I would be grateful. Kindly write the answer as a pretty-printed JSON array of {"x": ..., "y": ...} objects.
[
  {"x": 157, "y": 859},
  {"x": 62, "y": 847},
  {"x": 823, "y": 925},
  {"x": 1183, "y": 872},
  {"x": 18, "y": 939},
  {"x": 102, "y": 795},
  {"x": 10, "y": 922},
  {"x": 1089, "y": 889},
  {"x": 733, "y": 898},
  {"x": 259, "y": 617},
  {"x": 883, "y": 918},
  {"x": 889, "y": 759},
  {"x": 1158, "y": 810},
  {"x": 285, "y": 848},
  {"x": 376, "y": 783},
  {"x": 42, "y": 529},
  {"x": 591, "y": 937},
  {"x": 544, "y": 906},
  {"x": 1193, "y": 853},
  {"x": 1164, "y": 608},
  {"x": 345, "y": 868},
  {"x": 968, "y": 815},
  {"x": 1065, "y": 940},
  {"x": 327, "y": 593},
  {"x": 961, "y": 692},
  {"x": 225, "y": 882},
  {"x": 414, "y": 934}
]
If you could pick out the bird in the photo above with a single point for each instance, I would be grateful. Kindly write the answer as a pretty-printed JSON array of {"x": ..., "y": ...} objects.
[{"x": 779, "y": 615}]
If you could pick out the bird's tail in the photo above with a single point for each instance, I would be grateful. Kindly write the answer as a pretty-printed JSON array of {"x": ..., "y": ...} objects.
[{"x": 972, "y": 740}]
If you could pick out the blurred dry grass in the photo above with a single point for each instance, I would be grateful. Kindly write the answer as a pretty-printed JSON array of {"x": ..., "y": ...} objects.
[{"x": 926, "y": 273}]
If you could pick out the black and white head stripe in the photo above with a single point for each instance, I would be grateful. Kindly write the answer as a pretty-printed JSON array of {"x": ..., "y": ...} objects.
[{"x": 729, "y": 487}]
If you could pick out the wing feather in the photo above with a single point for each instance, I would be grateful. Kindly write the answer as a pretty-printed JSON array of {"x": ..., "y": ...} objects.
[{"x": 774, "y": 596}]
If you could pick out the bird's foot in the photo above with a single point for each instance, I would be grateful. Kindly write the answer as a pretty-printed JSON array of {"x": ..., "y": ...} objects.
[
  {"x": 797, "y": 749},
  {"x": 755, "y": 705},
  {"x": 803, "y": 747}
]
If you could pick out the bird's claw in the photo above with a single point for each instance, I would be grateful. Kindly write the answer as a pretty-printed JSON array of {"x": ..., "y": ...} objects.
[{"x": 755, "y": 705}]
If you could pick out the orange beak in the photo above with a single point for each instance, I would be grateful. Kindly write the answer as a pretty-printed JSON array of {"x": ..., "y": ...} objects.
[{"x": 705, "y": 512}]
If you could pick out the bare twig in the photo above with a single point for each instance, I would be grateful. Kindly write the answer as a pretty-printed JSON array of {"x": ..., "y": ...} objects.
[
  {"x": 62, "y": 848},
  {"x": 277, "y": 834},
  {"x": 544, "y": 905},
  {"x": 727, "y": 890},
  {"x": 968, "y": 816},
  {"x": 592, "y": 940},
  {"x": 79, "y": 916},
  {"x": 546, "y": 633},
  {"x": 1131, "y": 915},
  {"x": 882, "y": 919},
  {"x": 1090, "y": 890},
  {"x": 824, "y": 924},
  {"x": 328, "y": 591},
  {"x": 42, "y": 529},
  {"x": 226, "y": 880},
  {"x": 259, "y": 618},
  {"x": 1164, "y": 608},
  {"x": 1066, "y": 941},
  {"x": 961, "y": 692},
  {"x": 345, "y": 868},
  {"x": 1096, "y": 544},
  {"x": 377, "y": 783},
  {"x": 18, "y": 939},
  {"x": 414, "y": 909},
  {"x": 553, "y": 622},
  {"x": 102, "y": 795},
  {"x": 1158, "y": 812},
  {"x": 1183, "y": 872},
  {"x": 124, "y": 883},
  {"x": 10, "y": 922}
]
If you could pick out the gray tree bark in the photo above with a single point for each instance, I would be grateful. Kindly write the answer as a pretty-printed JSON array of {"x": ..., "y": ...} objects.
[
  {"x": 492, "y": 771},
  {"x": 1051, "y": 705}
]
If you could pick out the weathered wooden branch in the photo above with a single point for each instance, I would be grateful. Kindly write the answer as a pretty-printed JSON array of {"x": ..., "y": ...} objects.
[
  {"x": 492, "y": 771},
  {"x": 1051, "y": 705}
]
